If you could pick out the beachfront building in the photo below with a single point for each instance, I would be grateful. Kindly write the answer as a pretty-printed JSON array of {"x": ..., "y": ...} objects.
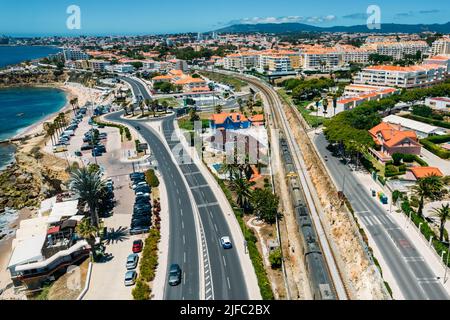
[
  {"x": 441, "y": 46},
  {"x": 282, "y": 62},
  {"x": 390, "y": 139},
  {"x": 98, "y": 65},
  {"x": 46, "y": 245},
  {"x": 74, "y": 54},
  {"x": 402, "y": 77},
  {"x": 398, "y": 50},
  {"x": 121, "y": 68}
]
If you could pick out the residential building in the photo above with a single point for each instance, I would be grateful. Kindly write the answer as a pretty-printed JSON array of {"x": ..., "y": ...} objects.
[
  {"x": 241, "y": 61},
  {"x": 324, "y": 59},
  {"x": 351, "y": 54},
  {"x": 438, "y": 103},
  {"x": 423, "y": 172},
  {"x": 74, "y": 54},
  {"x": 188, "y": 83},
  {"x": 391, "y": 139},
  {"x": 98, "y": 65},
  {"x": 441, "y": 46},
  {"x": 442, "y": 60},
  {"x": 422, "y": 130},
  {"x": 234, "y": 121},
  {"x": 177, "y": 64},
  {"x": 120, "y": 68},
  {"x": 398, "y": 50},
  {"x": 402, "y": 77},
  {"x": 354, "y": 95}
]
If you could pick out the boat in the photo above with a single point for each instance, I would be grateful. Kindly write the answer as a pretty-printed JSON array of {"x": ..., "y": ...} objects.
[{"x": 20, "y": 114}]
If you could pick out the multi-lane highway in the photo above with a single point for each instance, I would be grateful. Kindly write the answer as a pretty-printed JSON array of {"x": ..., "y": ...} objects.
[
  {"x": 223, "y": 275},
  {"x": 412, "y": 274}
]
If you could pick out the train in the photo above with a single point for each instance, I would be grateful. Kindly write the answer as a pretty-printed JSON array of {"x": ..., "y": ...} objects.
[{"x": 316, "y": 268}]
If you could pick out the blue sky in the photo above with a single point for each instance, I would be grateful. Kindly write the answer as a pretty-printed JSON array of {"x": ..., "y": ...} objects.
[{"x": 48, "y": 17}]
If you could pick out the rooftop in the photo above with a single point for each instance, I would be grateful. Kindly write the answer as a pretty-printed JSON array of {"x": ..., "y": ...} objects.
[{"x": 423, "y": 172}]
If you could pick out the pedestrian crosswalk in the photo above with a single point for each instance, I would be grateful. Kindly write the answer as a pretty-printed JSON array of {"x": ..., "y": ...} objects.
[{"x": 374, "y": 220}]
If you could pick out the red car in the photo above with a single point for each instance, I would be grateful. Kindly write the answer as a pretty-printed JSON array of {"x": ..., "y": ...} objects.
[{"x": 137, "y": 246}]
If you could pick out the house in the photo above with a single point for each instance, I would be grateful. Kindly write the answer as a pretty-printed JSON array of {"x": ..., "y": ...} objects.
[
  {"x": 391, "y": 139},
  {"x": 422, "y": 130},
  {"x": 229, "y": 121},
  {"x": 416, "y": 173}
]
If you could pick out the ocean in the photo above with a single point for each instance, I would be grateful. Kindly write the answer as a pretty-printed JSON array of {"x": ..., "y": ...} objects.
[
  {"x": 23, "y": 107},
  {"x": 10, "y": 55}
]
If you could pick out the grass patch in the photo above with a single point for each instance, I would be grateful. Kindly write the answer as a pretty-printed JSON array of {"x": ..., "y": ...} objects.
[
  {"x": 186, "y": 124},
  {"x": 312, "y": 120},
  {"x": 225, "y": 79}
]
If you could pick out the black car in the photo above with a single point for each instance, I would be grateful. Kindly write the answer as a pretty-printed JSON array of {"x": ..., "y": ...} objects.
[
  {"x": 143, "y": 189},
  {"x": 137, "y": 175},
  {"x": 142, "y": 201},
  {"x": 139, "y": 230},
  {"x": 174, "y": 275},
  {"x": 86, "y": 146},
  {"x": 100, "y": 148}
]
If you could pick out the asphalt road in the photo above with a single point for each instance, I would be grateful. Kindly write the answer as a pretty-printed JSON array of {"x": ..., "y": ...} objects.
[
  {"x": 413, "y": 275},
  {"x": 228, "y": 282},
  {"x": 183, "y": 248}
]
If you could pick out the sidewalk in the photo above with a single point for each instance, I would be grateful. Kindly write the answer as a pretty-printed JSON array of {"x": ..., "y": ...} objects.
[
  {"x": 412, "y": 232},
  {"x": 247, "y": 266}
]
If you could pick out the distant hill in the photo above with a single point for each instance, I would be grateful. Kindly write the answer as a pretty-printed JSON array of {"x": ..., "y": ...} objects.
[{"x": 278, "y": 28}]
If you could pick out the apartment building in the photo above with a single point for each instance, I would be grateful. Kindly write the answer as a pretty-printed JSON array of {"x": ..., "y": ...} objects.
[
  {"x": 98, "y": 65},
  {"x": 354, "y": 95},
  {"x": 351, "y": 54},
  {"x": 402, "y": 77},
  {"x": 241, "y": 60},
  {"x": 276, "y": 62},
  {"x": 398, "y": 50},
  {"x": 441, "y": 46},
  {"x": 443, "y": 60},
  {"x": 178, "y": 64},
  {"x": 74, "y": 54},
  {"x": 324, "y": 59}
]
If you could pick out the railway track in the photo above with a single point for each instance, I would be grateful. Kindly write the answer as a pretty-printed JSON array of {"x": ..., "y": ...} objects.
[{"x": 281, "y": 123}]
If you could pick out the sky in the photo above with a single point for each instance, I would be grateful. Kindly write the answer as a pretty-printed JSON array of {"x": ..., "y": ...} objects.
[{"x": 113, "y": 17}]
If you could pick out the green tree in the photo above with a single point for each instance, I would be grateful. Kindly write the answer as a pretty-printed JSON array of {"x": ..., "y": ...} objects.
[
  {"x": 276, "y": 258},
  {"x": 430, "y": 188},
  {"x": 89, "y": 186},
  {"x": 242, "y": 187},
  {"x": 231, "y": 169},
  {"x": 443, "y": 213},
  {"x": 265, "y": 205},
  {"x": 88, "y": 231},
  {"x": 218, "y": 108}
]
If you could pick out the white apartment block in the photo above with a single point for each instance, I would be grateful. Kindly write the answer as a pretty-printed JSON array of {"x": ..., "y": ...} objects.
[
  {"x": 74, "y": 54},
  {"x": 98, "y": 65},
  {"x": 323, "y": 59},
  {"x": 443, "y": 60},
  {"x": 401, "y": 77},
  {"x": 241, "y": 61},
  {"x": 441, "y": 46},
  {"x": 398, "y": 50}
]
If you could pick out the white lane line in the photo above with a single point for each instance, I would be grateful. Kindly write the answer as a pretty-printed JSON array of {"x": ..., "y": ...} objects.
[
  {"x": 215, "y": 227},
  {"x": 181, "y": 212},
  {"x": 184, "y": 257},
  {"x": 178, "y": 192},
  {"x": 224, "y": 262},
  {"x": 228, "y": 281},
  {"x": 182, "y": 224},
  {"x": 184, "y": 239},
  {"x": 184, "y": 277},
  {"x": 179, "y": 201}
]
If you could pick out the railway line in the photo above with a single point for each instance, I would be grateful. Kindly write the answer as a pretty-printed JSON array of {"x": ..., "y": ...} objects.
[{"x": 320, "y": 259}]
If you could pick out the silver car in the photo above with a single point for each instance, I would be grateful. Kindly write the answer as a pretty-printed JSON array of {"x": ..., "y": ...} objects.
[
  {"x": 132, "y": 261},
  {"x": 130, "y": 278}
]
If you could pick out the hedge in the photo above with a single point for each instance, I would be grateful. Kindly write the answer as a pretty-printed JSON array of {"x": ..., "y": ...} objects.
[
  {"x": 141, "y": 291},
  {"x": 151, "y": 178},
  {"x": 438, "y": 246},
  {"x": 122, "y": 129},
  {"x": 431, "y": 146}
]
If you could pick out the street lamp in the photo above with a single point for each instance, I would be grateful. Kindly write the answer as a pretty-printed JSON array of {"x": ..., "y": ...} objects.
[{"x": 420, "y": 225}]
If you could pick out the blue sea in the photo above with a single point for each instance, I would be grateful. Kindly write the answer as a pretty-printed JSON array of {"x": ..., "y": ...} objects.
[
  {"x": 10, "y": 55},
  {"x": 22, "y": 107}
]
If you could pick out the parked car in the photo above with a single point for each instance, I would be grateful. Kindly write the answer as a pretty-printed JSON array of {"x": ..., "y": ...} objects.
[
  {"x": 143, "y": 189},
  {"x": 137, "y": 246},
  {"x": 226, "y": 242},
  {"x": 139, "y": 229},
  {"x": 130, "y": 278},
  {"x": 78, "y": 154},
  {"x": 96, "y": 153},
  {"x": 174, "y": 275},
  {"x": 138, "y": 184},
  {"x": 100, "y": 148},
  {"x": 60, "y": 148},
  {"x": 132, "y": 261},
  {"x": 86, "y": 146}
]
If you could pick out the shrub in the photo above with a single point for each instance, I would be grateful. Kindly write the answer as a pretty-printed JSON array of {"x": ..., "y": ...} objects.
[
  {"x": 435, "y": 149},
  {"x": 275, "y": 258},
  {"x": 151, "y": 178},
  {"x": 391, "y": 171},
  {"x": 141, "y": 291}
]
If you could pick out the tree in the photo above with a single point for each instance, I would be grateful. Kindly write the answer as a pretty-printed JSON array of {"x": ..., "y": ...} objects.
[
  {"x": 443, "y": 213},
  {"x": 89, "y": 232},
  {"x": 193, "y": 116},
  {"x": 242, "y": 188},
  {"x": 275, "y": 258},
  {"x": 165, "y": 105},
  {"x": 430, "y": 188},
  {"x": 154, "y": 106},
  {"x": 89, "y": 187},
  {"x": 231, "y": 169},
  {"x": 241, "y": 106},
  {"x": 265, "y": 205},
  {"x": 218, "y": 108},
  {"x": 142, "y": 106}
]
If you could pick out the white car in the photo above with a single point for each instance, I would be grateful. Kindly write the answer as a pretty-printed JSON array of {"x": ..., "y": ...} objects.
[
  {"x": 130, "y": 278},
  {"x": 141, "y": 194},
  {"x": 226, "y": 242},
  {"x": 142, "y": 183}
]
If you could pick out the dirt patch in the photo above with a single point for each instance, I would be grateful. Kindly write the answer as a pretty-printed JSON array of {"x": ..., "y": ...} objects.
[{"x": 70, "y": 285}]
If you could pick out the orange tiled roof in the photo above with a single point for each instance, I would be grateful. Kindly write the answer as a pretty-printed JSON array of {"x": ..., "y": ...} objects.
[
  {"x": 166, "y": 77},
  {"x": 398, "y": 136},
  {"x": 257, "y": 118},
  {"x": 220, "y": 118},
  {"x": 404, "y": 69},
  {"x": 423, "y": 172}
]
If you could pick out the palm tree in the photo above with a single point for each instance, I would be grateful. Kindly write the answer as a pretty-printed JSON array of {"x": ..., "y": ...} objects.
[
  {"x": 49, "y": 130},
  {"x": 250, "y": 104},
  {"x": 242, "y": 188},
  {"x": 73, "y": 103},
  {"x": 443, "y": 213},
  {"x": 241, "y": 106},
  {"x": 165, "y": 105},
  {"x": 231, "y": 169},
  {"x": 142, "y": 106},
  {"x": 429, "y": 187},
  {"x": 89, "y": 232},
  {"x": 89, "y": 186},
  {"x": 154, "y": 105}
]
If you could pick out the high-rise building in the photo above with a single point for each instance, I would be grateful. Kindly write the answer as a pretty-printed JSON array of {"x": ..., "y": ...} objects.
[
  {"x": 74, "y": 54},
  {"x": 441, "y": 46}
]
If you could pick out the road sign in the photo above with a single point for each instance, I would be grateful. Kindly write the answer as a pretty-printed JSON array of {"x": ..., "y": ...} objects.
[{"x": 143, "y": 146}]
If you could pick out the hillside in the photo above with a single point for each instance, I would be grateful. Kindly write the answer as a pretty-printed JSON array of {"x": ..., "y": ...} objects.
[{"x": 278, "y": 28}]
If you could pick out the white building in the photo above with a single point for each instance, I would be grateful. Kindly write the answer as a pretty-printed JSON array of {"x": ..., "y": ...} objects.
[
  {"x": 74, "y": 54},
  {"x": 123, "y": 68},
  {"x": 423, "y": 130},
  {"x": 402, "y": 77},
  {"x": 439, "y": 103},
  {"x": 98, "y": 65},
  {"x": 398, "y": 50},
  {"x": 443, "y": 60},
  {"x": 441, "y": 46}
]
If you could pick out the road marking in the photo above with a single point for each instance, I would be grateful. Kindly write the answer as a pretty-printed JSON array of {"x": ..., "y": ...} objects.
[
  {"x": 207, "y": 205},
  {"x": 360, "y": 212},
  {"x": 191, "y": 173},
  {"x": 179, "y": 201},
  {"x": 184, "y": 239},
  {"x": 184, "y": 257},
  {"x": 413, "y": 259},
  {"x": 178, "y": 192},
  {"x": 184, "y": 277},
  {"x": 199, "y": 186},
  {"x": 182, "y": 224},
  {"x": 215, "y": 227},
  {"x": 181, "y": 212},
  {"x": 228, "y": 281},
  {"x": 224, "y": 262}
]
